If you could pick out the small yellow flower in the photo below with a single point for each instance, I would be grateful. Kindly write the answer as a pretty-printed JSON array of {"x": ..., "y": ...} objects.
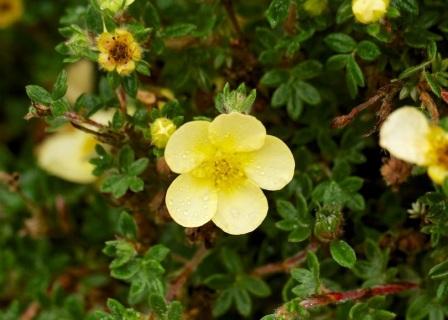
[
  {"x": 315, "y": 7},
  {"x": 408, "y": 135},
  {"x": 369, "y": 11},
  {"x": 66, "y": 153},
  {"x": 222, "y": 166},
  {"x": 118, "y": 51},
  {"x": 114, "y": 5},
  {"x": 161, "y": 131},
  {"x": 10, "y": 12}
]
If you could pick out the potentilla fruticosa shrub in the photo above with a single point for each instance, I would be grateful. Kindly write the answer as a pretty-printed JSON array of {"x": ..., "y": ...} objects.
[{"x": 225, "y": 159}]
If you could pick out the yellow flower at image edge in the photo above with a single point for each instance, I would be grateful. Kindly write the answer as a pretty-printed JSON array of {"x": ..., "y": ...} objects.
[
  {"x": 10, "y": 12},
  {"x": 222, "y": 166},
  {"x": 369, "y": 11},
  {"x": 118, "y": 51},
  {"x": 408, "y": 135},
  {"x": 66, "y": 153}
]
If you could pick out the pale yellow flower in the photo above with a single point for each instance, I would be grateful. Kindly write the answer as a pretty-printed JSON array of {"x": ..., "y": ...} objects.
[
  {"x": 80, "y": 79},
  {"x": 408, "y": 135},
  {"x": 118, "y": 51},
  {"x": 114, "y": 5},
  {"x": 222, "y": 166},
  {"x": 369, "y": 11},
  {"x": 161, "y": 131},
  {"x": 66, "y": 153},
  {"x": 10, "y": 12}
]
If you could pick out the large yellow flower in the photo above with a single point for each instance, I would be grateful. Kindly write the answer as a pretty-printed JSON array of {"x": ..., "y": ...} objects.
[
  {"x": 66, "y": 153},
  {"x": 118, "y": 51},
  {"x": 408, "y": 135},
  {"x": 10, "y": 12},
  {"x": 369, "y": 11},
  {"x": 222, "y": 166}
]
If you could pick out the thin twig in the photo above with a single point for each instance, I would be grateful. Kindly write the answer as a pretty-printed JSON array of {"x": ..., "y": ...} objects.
[
  {"x": 340, "y": 297},
  {"x": 31, "y": 311},
  {"x": 228, "y": 5},
  {"x": 430, "y": 105},
  {"x": 176, "y": 286},
  {"x": 286, "y": 265}
]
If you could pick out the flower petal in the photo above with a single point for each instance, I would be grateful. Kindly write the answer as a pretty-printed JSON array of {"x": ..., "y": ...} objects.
[
  {"x": 438, "y": 174},
  {"x": 241, "y": 209},
  {"x": 271, "y": 167},
  {"x": 237, "y": 132},
  {"x": 404, "y": 134},
  {"x": 188, "y": 147},
  {"x": 191, "y": 201},
  {"x": 105, "y": 42},
  {"x": 67, "y": 154},
  {"x": 126, "y": 69},
  {"x": 106, "y": 62}
]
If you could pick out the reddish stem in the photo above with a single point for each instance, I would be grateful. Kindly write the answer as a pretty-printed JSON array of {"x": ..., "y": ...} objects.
[{"x": 286, "y": 265}]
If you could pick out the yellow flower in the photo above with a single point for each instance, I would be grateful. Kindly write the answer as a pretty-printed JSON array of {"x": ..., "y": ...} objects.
[
  {"x": 161, "y": 131},
  {"x": 408, "y": 135},
  {"x": 222, "y": 166},
  {"x": 10, "y": 12},
  {"x": 118, "y": 51},
  {"x": 114, "y": 5},
  {"x": 369, "y": 11},
  {"x": 315, "y": 7},
  {"x": 66, "y": 153}
]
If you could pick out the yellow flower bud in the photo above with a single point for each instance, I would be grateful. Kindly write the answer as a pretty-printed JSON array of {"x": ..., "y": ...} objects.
[
  {"x": 161, "y": 131},
  {"x": 114, "y": 5},
  {"x": 10, "y": 12},
  {"x": 369, "y": 11},
  {"x": 315, "y": 7}
]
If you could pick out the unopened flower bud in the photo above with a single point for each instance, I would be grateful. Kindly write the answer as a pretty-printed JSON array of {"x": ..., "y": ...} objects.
[
  {"x": 114, "y": 5},
  {"x": 161, "y": 131},
  {"x": 315, "y": 7},
  {"x": 369, "y": 11}
]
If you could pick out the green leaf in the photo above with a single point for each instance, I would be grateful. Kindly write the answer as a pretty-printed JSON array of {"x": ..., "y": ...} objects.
[
  {"x": 127, "y": 226},
  {"x": 344, "y": 12},
  {"x": 126, "y": 157},
  {"x": 368, "y": 50},
  {"x": 274, "y": 78},
  {"x": 337, "y": 62},
  {"x": 355, "y": 71},
  {"x": 294, "y": 106},
  {"x": 231, "y": 260},
  {"x": 174, "y": 311},
  {"x": 439, "y": 271},
  {"x": 414, "y": 69},
  {"x": 116, "y": 184},
  {"x": 60, "y": 86},
  {"x": 135, "y": 184},
  {"x": 157, "y": 252},
  {"x": 299, "y": 233},
  {"x": 137, "y": 167},
  {"x": 280, "y": 96},
  {"x": 432, "y": 82},
  {"x": 222, "y": 303},
  {"x": 343, "y": 253},
  {"x": 38, "y": 94},
  {"x": 277, "y": 12},
  {"x": 307, "y": 92},
  {"x": 351, "y": 184},
  {"x": 130, "y": 84},
  {"x": 307, "y": 70},
  {"x": 256, "y": 286},
  {"x": 59, "y": 107},
  {"x": 158, "y": 304},
  {"x": 286, "y": 209},
  {"x": 178, "y": 30},
  {"x": 340, "y": 42},
  {"x": 242, "y": 301},
  {"x": 410, "y": 6},
  {"x": 219, "y": 281}
]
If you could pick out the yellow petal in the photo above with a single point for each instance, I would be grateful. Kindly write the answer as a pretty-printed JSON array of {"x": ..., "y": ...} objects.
[
  {"x": 404, "y": 134},
  {"x": 369, "y": 11},
  {"x": 271, "y": 167},
  {"x": 438, "y": 174},
  {"x": 106, "y": 62},
  {"x": 126, "y": 69},
  {"x": 188, "y": 147},
  {"x": 241, "y": 209},
  {"x": 105, "y": 42},
  {"x": 191, "y": 201},
  {"x": 237, "y": 132},
  {"x": 66, "y": 155}
]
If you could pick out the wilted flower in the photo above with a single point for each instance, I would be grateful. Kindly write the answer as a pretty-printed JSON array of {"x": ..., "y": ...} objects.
[
  {"x": 408, "y": 135},
  {"x": 10, "y": 12},
  {"x": 161, "y": 130},
  {"x": 118, "y": 51},
  {"x": 222, "y": 166},
  {"x": 66, "y": 153},
  {"x": 369, "y": 11},
  {"x": 114, "y": 5}
]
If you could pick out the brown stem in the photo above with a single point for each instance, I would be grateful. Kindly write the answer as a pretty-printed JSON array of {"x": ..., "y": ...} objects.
[
  {"x": 176, "y": 286},
  {"x": 31, "y": 311},
  {"x": 388, "y": 91},
  {"x": 286, "y": 265},
  {"x": 340, "y": 297},
  {"x": 228, "y": 5},
  {"x": 430, "y": 105},
  {"x": 121, "y": 94}
]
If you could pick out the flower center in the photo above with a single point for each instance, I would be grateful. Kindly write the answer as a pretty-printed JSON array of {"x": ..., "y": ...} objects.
[
  {"x": 120, "y": 52},
  {"x": 224, "y": 169},
  {"x": 5, "y": 7}
]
